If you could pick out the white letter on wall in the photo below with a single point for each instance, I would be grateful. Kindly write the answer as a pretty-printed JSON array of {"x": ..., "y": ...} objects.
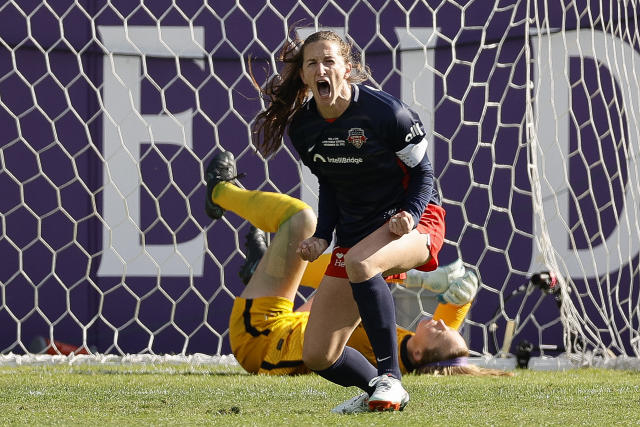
[{"x": 124, "y": 129}]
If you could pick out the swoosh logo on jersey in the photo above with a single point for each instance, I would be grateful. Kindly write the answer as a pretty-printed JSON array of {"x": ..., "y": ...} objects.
[{"x": 311, "y": 148}]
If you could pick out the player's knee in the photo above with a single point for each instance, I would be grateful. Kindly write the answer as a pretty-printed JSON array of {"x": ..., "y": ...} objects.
[
  {"x": 358, "y": 269},
  {"x": 304, "y": 223}
]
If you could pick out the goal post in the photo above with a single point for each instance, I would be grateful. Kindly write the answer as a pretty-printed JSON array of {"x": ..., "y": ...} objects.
[
  {"x": 109, "y": 110},
  {"x": 587, "y": 166}
]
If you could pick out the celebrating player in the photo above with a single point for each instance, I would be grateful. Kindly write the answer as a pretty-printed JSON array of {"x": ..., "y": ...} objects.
[
  {"x": 267, "y": 335},
  {"x": 376, "y": 190}
]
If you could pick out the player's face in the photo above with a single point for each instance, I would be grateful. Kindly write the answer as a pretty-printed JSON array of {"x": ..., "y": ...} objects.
[
  {"x": 435, "y": 334},
  {"x": 325, "y": 72}
]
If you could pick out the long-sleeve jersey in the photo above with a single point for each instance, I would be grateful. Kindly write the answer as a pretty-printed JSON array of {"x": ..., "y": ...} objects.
[{"x": 370, "y": 163}]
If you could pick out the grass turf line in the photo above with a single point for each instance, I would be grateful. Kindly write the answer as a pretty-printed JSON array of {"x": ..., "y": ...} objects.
[{"x": 185, "y": 395}]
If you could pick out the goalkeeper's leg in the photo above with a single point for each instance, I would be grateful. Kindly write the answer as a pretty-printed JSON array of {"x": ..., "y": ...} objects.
[{"x": 279, "y": 271}]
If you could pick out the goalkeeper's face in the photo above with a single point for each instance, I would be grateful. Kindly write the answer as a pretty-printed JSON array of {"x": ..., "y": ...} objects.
[{"x": 435, "y": 334}]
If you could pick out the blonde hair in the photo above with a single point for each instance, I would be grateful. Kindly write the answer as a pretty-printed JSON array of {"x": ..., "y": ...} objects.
[
  {"x": 469, "y": 369},
  {"x": 429, "y": 364}
]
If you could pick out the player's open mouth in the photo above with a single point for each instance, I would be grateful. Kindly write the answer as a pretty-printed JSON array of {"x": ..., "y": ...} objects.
[{"x": 324, "y": 88}]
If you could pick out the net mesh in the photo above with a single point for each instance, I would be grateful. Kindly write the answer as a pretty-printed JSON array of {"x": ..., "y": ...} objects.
[{"x": 109, "y": 109}]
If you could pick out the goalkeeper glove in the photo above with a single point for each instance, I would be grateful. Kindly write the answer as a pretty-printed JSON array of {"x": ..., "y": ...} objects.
[
  {"x": 461, "y": 290},
  {"x": 437, "y": 281}
]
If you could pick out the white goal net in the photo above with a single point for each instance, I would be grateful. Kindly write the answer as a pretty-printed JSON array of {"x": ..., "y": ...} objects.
[{"x": 110, "y": 109}]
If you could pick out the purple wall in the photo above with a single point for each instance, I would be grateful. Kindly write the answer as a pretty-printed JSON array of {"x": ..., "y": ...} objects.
[{"x": 53, "y": 179}]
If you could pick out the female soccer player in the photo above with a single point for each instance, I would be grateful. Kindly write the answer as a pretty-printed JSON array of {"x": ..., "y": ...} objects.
[
  {"x": 267, "y": 335},
  {"x": 376, "y": 191}
]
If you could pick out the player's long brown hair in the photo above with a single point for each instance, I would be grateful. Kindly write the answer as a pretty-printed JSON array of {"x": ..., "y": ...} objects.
[
  {"x": 439, "y": 355},
  {"x": 285, "y": 93}
]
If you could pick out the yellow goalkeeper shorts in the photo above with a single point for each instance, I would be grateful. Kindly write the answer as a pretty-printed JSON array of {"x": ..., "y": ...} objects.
[{"x": 266, "y": 336}]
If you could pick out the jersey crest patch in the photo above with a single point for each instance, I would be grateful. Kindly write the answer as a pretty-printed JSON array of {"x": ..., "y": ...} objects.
[{"x": 356, "y": 137}]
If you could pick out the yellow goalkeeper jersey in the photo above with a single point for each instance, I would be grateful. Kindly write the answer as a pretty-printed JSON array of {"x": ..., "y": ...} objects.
[{"x": 266, "y": 335}]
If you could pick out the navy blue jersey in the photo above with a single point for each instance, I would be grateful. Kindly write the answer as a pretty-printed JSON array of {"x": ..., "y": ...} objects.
[{"x": 370, "y": 163}]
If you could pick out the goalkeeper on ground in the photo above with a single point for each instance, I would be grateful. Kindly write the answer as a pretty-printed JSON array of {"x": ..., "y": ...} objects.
[{"x": 266, "y": 333}]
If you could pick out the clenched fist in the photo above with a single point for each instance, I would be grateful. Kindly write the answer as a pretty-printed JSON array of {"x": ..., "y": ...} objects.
[
  {"x": 401, "y": 223},
  {"x": 311, "y": 248}
]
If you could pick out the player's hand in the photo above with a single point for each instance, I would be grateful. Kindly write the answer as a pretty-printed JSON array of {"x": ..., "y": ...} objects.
[
  {"x": 401, "y": 223},
  {"x": 311, "y": 248},
  {"x": 437, "y": 281},
  {"x": 461, "y": 290}
]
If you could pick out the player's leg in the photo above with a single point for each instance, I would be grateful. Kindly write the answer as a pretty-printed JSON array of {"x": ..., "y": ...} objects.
[
  {"x": 332, "y": 320},
  {"x": 365, "y": 264},
  {"x": 279, "y": 271},
  {"x": 384, "y": 252},
  {"x": 255, "y": 246}
]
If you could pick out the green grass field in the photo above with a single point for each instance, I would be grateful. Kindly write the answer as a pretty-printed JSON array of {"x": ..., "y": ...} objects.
[{"x": 184, "y": 395}]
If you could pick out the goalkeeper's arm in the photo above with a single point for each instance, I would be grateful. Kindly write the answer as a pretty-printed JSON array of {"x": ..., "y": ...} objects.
[{"x": 455, "y": 286}]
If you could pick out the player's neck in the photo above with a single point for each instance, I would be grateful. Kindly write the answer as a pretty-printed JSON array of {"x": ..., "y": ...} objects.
[
  {"x": 411, "y": 348},
  {"x": 405, "y": 354}
]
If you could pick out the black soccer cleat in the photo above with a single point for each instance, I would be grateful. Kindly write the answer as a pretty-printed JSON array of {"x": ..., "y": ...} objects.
[
  {"x": 222, "y": 167},
  {"x": 255, "y": 248}
]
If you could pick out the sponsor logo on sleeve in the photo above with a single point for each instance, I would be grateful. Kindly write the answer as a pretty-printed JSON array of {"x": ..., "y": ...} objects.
[{"x": 415, "y": 130}]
